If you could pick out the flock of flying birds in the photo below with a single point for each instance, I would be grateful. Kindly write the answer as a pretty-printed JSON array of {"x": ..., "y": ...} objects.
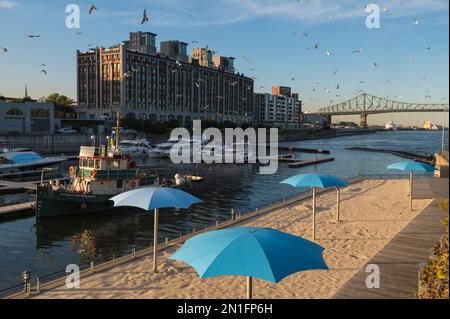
[
  {"x": 316, "y": 46},
  {"x": 357, "y": 51}
]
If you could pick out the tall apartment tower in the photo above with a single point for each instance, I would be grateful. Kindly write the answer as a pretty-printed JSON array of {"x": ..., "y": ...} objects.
[
  {"x": 174, "y": 49},
  {"x": 203, "y": 56},
  {"x": 224, "y": 63},
  {"x": 143, "y": 42},
  {"x": 281, "y": 91}
]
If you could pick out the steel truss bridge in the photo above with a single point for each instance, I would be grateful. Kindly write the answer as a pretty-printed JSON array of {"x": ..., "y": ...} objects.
[{"x": 366, "y": 104}]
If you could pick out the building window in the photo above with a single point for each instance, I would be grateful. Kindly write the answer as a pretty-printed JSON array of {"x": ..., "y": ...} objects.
[
  {"x": 40, "y": 113},
  {"x": 14, "y": 112}
]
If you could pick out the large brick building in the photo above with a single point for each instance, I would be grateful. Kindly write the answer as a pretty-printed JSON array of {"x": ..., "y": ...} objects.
[{"x": 134, "y": 79}]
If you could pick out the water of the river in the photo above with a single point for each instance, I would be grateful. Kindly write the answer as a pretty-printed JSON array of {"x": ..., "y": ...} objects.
[{"x": 51, "y": 244}]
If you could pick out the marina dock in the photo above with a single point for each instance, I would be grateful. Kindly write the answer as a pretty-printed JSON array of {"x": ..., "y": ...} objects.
[
  {"x": 15, "y": 210},
  {"x": 299, "y": 163}
]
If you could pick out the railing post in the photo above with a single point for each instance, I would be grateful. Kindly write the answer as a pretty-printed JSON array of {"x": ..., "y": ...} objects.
[
  {"x": 38, "y": 285},
  {"x": 232, "y": 214},
  {"x": 92, "y": 267},
  {"x": 134, "y": 252}
]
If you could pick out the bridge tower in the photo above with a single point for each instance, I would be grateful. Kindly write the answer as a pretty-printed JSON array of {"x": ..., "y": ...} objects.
[
  {"x": 363, "y": 116},
  {"x": 363, "y": 120}
]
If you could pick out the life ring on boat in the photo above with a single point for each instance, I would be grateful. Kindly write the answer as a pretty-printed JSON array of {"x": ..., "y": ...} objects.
[
  {"x": 72, "y": 170},
  {"x": 133, "y": 184},
  {"x": 93, "y": 174},
  {"x": 83, "y": 206},
  {"x": 132, "y": 164}
]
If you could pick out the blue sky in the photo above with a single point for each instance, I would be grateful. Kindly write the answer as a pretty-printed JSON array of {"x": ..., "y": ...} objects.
[{"x": 262, "y": 30}]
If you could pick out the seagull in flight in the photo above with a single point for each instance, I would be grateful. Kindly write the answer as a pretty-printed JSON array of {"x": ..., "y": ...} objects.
[
  {"x": 358, "y": 51},
  {"x": 32, "y": 36},
  {"x": 78, "y": 33},
  {"x": 416, "y": 22},
  {"x": 375, "y": 65},
  {"x": 144, "y": 17},
  {"x": 43, "y": 71},
  {"x": 92, "y": 8},
  {"x": 246, "y": 59},
  {"x": 316, "y": 46},
  {"x": 127, "y": 75},
  {"x": 4, "y": 49},
  {"x": 328, "y": 53}
]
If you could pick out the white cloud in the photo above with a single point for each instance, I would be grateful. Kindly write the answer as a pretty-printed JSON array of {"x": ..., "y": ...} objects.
[
  {"x": 7, "y": 4},
  {"x": 219, "y": 12}
]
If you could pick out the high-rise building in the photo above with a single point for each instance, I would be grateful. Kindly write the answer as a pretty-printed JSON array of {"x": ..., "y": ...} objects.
[
  {"x": 281, "y": 90},
  {"x": 174, "y": 49},
  {"x": 277, "y": 110},
  {"x": 203, "y": 56},
  {"x": 154, "y": 86},
  {"x": 224, "y": 63}
]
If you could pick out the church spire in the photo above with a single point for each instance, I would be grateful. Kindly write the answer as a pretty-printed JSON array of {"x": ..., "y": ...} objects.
[{"x": 26, "y": 91}]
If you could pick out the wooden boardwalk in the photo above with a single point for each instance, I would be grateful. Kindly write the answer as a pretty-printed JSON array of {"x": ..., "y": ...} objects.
[
  {"x": 430, "y": 188},
  {"x": 401, "y": 259}
]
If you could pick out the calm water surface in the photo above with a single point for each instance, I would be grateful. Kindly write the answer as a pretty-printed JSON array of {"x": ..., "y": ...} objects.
[{"x": 49, "y": 245}]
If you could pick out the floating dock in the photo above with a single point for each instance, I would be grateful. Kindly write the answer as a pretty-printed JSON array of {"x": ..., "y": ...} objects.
[
  {"x": 303, "y": 150},
  {"x": 299, "y": 163},
  {"x": 18, "y": 209}
]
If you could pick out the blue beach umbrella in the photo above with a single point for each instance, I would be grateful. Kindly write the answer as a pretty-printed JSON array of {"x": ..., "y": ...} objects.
[
  {"x": 411, "y": 167},
  {"x": 262, "y": 253},
  {"x": 154, "y": 198},
  {"x": 317, "y": 181}
]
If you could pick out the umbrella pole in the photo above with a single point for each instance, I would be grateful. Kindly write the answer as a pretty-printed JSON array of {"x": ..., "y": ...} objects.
[
  {"x": 411, "y": 176},
  {"x": 338, "y": 204},
  {"x": 249, "y": 288},
  {"x": 314, "y": 213},
  {"x": 155, "y": 240}
]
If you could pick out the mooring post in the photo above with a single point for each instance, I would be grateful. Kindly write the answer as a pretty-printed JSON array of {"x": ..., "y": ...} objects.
[
  {"x": 92, "y": 267},
  {"x": 134, "y": 252},
  {"x": 38, "y": 285}
]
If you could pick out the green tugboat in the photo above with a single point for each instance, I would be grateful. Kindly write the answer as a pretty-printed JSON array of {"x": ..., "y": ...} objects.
[{"x": 103, "y": 172}]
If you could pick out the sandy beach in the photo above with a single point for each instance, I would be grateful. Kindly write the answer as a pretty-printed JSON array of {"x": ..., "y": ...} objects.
[{"x": 372, "y": 213}]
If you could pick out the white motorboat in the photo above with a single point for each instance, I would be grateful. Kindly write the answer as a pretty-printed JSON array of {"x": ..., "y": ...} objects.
[
  {"x": 26, "y": 161},
  {"x": 138, "y": 148}
]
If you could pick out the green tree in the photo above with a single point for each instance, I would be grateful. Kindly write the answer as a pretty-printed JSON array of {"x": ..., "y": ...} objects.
[{"x": 59, "y": 100}]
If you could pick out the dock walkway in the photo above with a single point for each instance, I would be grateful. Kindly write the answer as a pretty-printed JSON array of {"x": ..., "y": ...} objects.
[{"x": 401, "y": 259}]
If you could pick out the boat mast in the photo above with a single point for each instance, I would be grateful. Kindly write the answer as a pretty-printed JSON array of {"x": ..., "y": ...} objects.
[{"x": 117, "y": 130}]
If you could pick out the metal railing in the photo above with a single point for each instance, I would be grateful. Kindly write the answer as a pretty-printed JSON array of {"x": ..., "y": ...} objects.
[{"x": 57, "y": 279}]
